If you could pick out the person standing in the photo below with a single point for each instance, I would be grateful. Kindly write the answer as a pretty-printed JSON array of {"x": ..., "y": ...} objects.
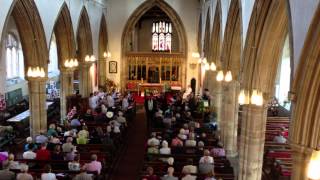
[{"x": 150, "y": 106}]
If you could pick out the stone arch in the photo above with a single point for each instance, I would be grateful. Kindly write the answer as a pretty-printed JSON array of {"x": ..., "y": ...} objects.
[
  {"x": 64, "y": 36},
  {"x": 215, "y": 40},
  {"x": 103, "y": 47},
  {"x": 142, "y": 9},
  {"x": 134, "y": 18},
  {"x": 206, "y": 40},
  {"x": 305, "y": 95},
  {"x": 269, "y": 30},
  {"x": 84, "y": 36},
  {"x": 231, "y": 47},
  {"x": 31, "y": 32}
]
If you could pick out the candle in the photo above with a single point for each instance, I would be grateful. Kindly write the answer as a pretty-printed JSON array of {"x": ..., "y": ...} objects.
[
  {"x": 160, "y": 80},
  {"x": 141, "y": 80}
]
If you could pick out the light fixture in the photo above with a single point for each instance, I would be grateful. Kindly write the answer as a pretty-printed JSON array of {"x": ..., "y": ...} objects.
[
  {"x": 220, "y": 76},
  {"x": 313, "y": 166},
  {"x": 106, "y": 54},
  {"x": 256, "y": 97},
  {"x": 213, "y": 66},
  {"x": 195, "y": 55},
  {"x": 89, "y": 58},
  {"x": 228, "y": 76},
  {"x": 71, "y": 63},
  {"x": 36, "y": 72},
  {"x": 206, "y": 66}
]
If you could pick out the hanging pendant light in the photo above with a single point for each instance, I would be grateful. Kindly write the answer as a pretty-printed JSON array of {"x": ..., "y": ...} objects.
[
  {"x": 220, "y": 76},
  {"x": 206, "y": 66},
  {"x": 228, "y": 77},
  {"x": 242, "y": 98},
  {"x": 314, "y": 165},
  {"x": 213, "y": 66}
]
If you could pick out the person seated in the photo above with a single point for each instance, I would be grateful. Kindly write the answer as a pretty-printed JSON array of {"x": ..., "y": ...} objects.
[
  {"x": 206, "y": 158},
  {"x": 12, "y": 163},
  {"x": 169, "y": 175},
  {"x": 170, "y": 161},
  {"x": 120, "y": 119},
  {"x": 151, "y": 175},
  {"x": 104, "y": 109},
  {"x": 84, "y": 132},
  {"x": 52, "y": 131},
  {"x": 218, "y": 151},
  {"x": 68, "y": 146},
  {"x": 83, "y": 175},
  {"x": 176, "y": 142},
  {"x": 74, "y": 165},
  {"x": 57, "y": 153},
  {"x": 43, "y": 153},
  {"x": 206, "y": 163},
  {"x": 48, "y": 175},
  {"x": 200, "y": 148},
  {"x": 72, "y": 113},
  {"x": 81, "y": 139},
  {"x": 24, "y": 175},
  {"x": 53, "y": 141},
  {"x": 100, "y": 118},
  {"x": 153, "y": 140},
  {"x": 153, "y": 148},
  {"x": 190, "y": 167},
  {"x": 280, "y": 139},
  {"x": 210, "y": 176},
  {"x": 165, "y": 149},
  {"x": 284, "y": 132},
  {"x": 88, "y": 117},
  {"x": 42, "y": 138},
  {"x": 94, "y": 165},
  {"x": 71, "y": 155},
  {"x": 5, "y": 173},
  {"x": 191, "y": 142},
  {"x": 187, "y": 175},
  {"x": 29, "y": 141},
  {"x": 29, "y": 154},
  {"x": 182, "y": 134}
]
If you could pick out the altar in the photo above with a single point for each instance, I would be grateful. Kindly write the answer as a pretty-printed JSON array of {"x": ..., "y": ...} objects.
[{"x": 144, "y": 89}]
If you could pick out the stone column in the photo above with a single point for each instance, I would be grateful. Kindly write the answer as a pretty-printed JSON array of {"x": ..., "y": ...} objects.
[
  {"x": 217, "y": 94},
  {"x": 252, "y": 139},
  {"x": 37, "y": 105},
  {"x": 229, "y": 122},
  {"x": 85, "y": 80},
  {"x": 300, "y": 159},
  {"x": 66, "y": 89},
  {"x": 102, "y": 71}
]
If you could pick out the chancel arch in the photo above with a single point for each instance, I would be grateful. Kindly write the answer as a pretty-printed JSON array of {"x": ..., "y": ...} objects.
[
  {"x": 144, "y": 64},
  {"x": 84, "y": 48}
]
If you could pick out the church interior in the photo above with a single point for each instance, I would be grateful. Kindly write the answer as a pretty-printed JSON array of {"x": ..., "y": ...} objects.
[{"x": 160, "y": 89}]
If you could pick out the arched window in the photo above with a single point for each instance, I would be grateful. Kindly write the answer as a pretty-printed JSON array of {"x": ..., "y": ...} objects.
[
  {"x": 53, "y": 69},
  {"x": 14, "y": 58},
  {"x": 161, "y": 36}
]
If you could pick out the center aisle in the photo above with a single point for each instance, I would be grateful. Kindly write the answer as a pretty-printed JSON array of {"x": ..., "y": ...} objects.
[{"x": 130, "y": 163}]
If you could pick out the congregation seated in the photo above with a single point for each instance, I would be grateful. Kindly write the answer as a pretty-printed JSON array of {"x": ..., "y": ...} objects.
[
  {"x": 43, "y": 153},
  {"x": 74, "y": 165},
  {"x": 68, "y": 146},
  {"x": 206, "y": 163},
  {"x": 83, "y": 175},
  {"x": 42, "y": 138},
  {"x": 190, "y": 167},
  {"x": 165, "y": 149},
  {"x": 29, "y": 141},
  {"x": 279, "y": 138},
  {"x": 29, "y": 154},
  {"x": 188, "y": 176},
  {"x": 150, "y": 175}
]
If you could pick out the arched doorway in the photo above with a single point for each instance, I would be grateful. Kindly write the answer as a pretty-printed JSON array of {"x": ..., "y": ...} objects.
[{"x": 154, "y": 40}]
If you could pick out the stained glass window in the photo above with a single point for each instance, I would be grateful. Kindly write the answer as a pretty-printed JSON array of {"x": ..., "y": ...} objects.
[{"x": 161, "y": 36}]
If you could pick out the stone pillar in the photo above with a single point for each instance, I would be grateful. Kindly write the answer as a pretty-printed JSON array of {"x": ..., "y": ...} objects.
[
  {"x": 252, "y": 139},
  {"x": 217, "y": 94},
  {"x": 300, "y": 159},
  {"x": 37, "y": 105},
  {"x": 102, "y": 72},
  {"x": 85, "y": 80},
  {"x": 229, "y": 122},
  {"x": 66, "y": 89}
]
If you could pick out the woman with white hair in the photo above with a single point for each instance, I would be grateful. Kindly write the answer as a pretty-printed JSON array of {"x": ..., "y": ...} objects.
[
  {"x": 24, "y": 175},
  {"x": 165, "y": 149},
  {"x": 29, "y": 141}
]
